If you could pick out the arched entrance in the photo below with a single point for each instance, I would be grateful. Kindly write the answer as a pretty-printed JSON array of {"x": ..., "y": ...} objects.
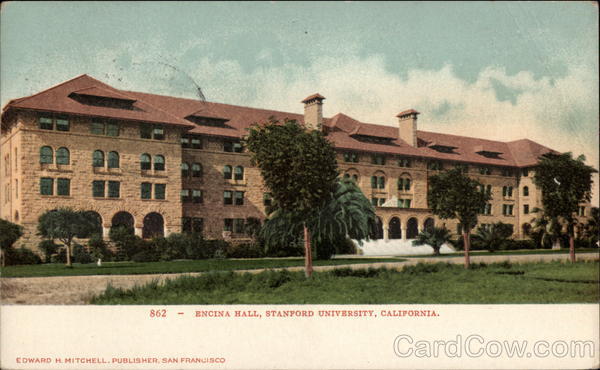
[
  {"x": 123, "y": 219},
  {"x": 377, "y": 229},
  {"x": 96, "y": 221},
  {"x": 412, "y": 228},
  {"x": 429, "y": 224},
  {"x": 395, "y": 231},
  {"x": 154, "y": 225}
]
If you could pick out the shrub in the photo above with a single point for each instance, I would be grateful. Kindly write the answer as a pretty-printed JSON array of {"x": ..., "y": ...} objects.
[
  {"x": 48, "y": 247},
  {"x": 362, "y": 273},
  {"x": 80, "y": 255},
  {"x": 195, "y": 248},
  {"x": 98, "y": 248},
  {"x": 294, "y": 248},
  {"x": 9, "y": 234},
  {"x": 60, "y": 257},
  {"x": 22, "y": 256},
  {"x": 245, "y": 250},
  {"x": 146, "y": 256},
  {"x": 125, "y": 240}
]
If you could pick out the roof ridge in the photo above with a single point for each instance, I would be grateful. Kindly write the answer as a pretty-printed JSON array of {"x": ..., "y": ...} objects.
[{"x": 463, "y": 136}]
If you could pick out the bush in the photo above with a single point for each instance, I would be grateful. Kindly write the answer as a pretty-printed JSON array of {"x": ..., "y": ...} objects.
[
  {"x": 245, "y": 250},
  {"x": 60, "y": 257},
  {"x": 80, "y": 255},
  {"x": 125, "y": 240},
  {"x": 362, "y": 273},
  {"x": 99, "y": 249},
  {"x": 48, "y": 247},
  {"x": 294, "y": 248},
  {"x": 195, "y": 248},
  {"x": 146, "y": 256},
  {"x": 22, "y": 256},
  {"x": 9, "y": 234}
]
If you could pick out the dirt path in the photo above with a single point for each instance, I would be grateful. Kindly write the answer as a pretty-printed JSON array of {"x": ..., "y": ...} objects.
[{"x": 79, "y": 289}]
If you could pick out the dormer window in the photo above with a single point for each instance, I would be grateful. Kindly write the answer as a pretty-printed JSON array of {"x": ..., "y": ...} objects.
[
  {"x": 443, "y": 148},
  {"x": 489, "y": 154},
  {"x": 102, "y": 98}
]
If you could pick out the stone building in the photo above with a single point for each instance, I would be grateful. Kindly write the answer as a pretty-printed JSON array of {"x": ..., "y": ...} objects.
[{"x": 162, "y": 164}]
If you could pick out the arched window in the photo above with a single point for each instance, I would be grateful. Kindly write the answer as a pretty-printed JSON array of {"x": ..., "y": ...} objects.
[
  {"x": 159, "y": 163},
  {"x": 145, "y": 161},
  {"x": 227, "y": 172},
  {"x": 113, "y": 160},
  {"x": 526, "y": 191},
  {"x": 346, "y": 175},
  {"x": 239, "y": 173},
  {"x": 46, "y": 155},
  {"x": 381, "y": 182},
  {"x": 196, "y": 170},
  {"x": 355, "y": 178},
  {"x": 403, "y": 184},
  {"x": 62, "y": 156},
  {"x": 185, "y": 169},
  {"x": 98, "y": 159}
]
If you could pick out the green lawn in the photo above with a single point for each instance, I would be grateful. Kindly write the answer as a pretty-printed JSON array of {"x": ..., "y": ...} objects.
[
  {"x": 126, "y": 268},
  {"x": 506, "y": 253},
  {"x": 552, "y": 282}
]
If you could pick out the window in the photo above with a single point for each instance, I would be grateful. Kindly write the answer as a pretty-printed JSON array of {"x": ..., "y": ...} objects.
[
  {"x": 112, "y": 129},
  {"x": 377, "y": 202},
  {"x": 525, "y": 172},
  {"x": 507, "y": 209},
  {"x": 62, "y": 124},
  {"x": 231, "y": 146},
  {"x": 403, "y": 184},
  {"x": 158, "y": 132},
  {"x": 185, "y": 195},
  {"x": 381, "y": 182},
  {"x": 525, "y": 191},
  {"x": 145, "y": 161},
  {"x": 98, "y": 159},
  {"x": 63, "y": 187},
  {"x": 462, "y": 167},
  {"x": 186, "y": 225},
  {"x": 355, "y": 178},
  {"x": 351, "y": 157},
  {"x": 228, "y": 224},
  {"x": 487, "y": 209},
  {"x": 97, "y": 128},
  {"x": 98, "y": 189},
  {"x": 238, "y": 225},
  {"x": 114, "y": 189},
  {"x": 507, "y": 172},
  {"x": 46, "y": 186},
  {"x": 145, "y": 131},
  {"x": 196, "y": 170},
  {"x": 185, "y": 170},
  {"x": 267, "y": 199},
  {"x": 196, "y": 143},
  {"x": 197, "y": 196},
  {"x": 62, "y": 156},
  {"x": 485, "y": 171},
  {"x": 113, "y": 160},
  {"x": 435, "y": 165},
  {"x": 46, "y": 123},
  {"x": 193, "y": 225},
  {"x": 46, "y": 155},
  {"x": 146, "y": 190},
  {"x": 227, "y": 172},
  {"x": 404, "y": 162},
  {"x": 159, "y": 163},
  {"x": 185, "y": 142},
  {"x": 404, "y": 203},
  {"x": 378, "y": 159},
  {"x": 160, "y": 191},
  {"x": 227, "y": 197},
  {"x": 507, "y": 191},
  {"x": 239, "y": 198},
  {"x": 581, "y": 211},
  {"x": 526, "y": 209},
  {"x": 239, "y": 173}
]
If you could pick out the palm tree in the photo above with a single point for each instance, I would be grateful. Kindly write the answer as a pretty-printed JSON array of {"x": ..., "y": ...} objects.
[
  {"x": 548, "y": 229},
  {"x": 435, "y": 238},
  {"x": 348, "y": 213},
  {"x": 493, "y": 237}
]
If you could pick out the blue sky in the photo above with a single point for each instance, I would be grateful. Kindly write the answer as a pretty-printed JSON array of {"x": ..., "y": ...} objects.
[{"x": 502, "y": 70}]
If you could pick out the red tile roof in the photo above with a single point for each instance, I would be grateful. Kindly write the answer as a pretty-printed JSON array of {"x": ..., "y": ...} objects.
[{"x": 343, "y": 130}]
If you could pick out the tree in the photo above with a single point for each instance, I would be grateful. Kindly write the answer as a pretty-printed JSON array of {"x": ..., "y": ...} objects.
[
  {"x": 546, "y": 230},
  {"x": 299, "y": 168},
  {"x": 591, "y": 229},
  {"x": 565, "y": 182},
  {"x": 452, "y": 195},
  {"x": 65, "y": 224},
  {"x": 435, "y": 237},
  {"x": 494, "y": 237},
  {"x": 9, "y": 234},
  {"x": 347, "y": 213}
]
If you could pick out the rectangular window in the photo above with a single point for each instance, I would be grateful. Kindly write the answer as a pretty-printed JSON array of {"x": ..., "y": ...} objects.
[
  {"x": 62, "y": 124},
  {"x": 228, "y": 224},
  {"x": 381, "y": 182},
  {"x": 197, "y": 225},
  {"x": 485, "y": 171},
  {"x": 526, "y": 209},
  {"x": 185, "y": 195},
  {"x": 146, "y": 189},
  {"x": 237, "y": 147},
  {"x": 378, "y": 159},
  {"x": 525, "y": 172},
  {"x": 186, "y": 225},
  {"x": 112, "y": 129},
  {"x": 373, "y": 182},
  {"x": 238, "y": 225},
  {"x": 196, "y": 143},
  {"x": 97, "y": 128},
  {"x": 145, "y": 131},
  {"x": 404, "y": 162},
  {"x": 507, "y": 172},
  {"x": 507, "y": 209},
  {"x": 350, "y": 157},
  {"x": 197, "y": 196},
  {"x": 239, "y": 198},
  {"x": 114, "y": 189},
  {"x": 227, "y": 146},
  {"x": 46, "y": 123},
  {"x": 98, "y": 189},
  {"x": 159, "y": 132},
  {"x": 435, "y": 165},
  {"x": 63, "y": 187},
  {"x": 46, "y": 186},
  {"x": 374, "y": 202},
  {"x": 160, "y": 191},
  {"x": 185, "y": 142},
  {"x": 227, "y": 197}
]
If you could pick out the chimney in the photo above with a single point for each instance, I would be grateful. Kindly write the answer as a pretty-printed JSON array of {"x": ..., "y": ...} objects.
[
  {"x": 313, "y": 112},
  {"x": 407, "y": 130}
]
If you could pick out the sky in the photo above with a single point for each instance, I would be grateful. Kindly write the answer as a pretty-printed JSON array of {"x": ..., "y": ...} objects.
[{"x": 496, "y": 70}]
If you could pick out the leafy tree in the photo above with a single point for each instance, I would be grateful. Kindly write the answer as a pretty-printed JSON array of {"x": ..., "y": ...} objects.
[
  {"x": 347, "y": 213},
  {"x": 435, "y": 237},
  {"x": 126, "y": 241},
  {"x": 299, "y": 168},
  {"x": 591, "y": 229},
  {"x": 453, "y": 195},
  {"x": 48, "y": 247},
  {"x": 546, "y": 230},
  {"x": 65, "y": 224},
  {"x": 494, "y": 237},
  {"x": 9, "y": 234},
  {"x": 565, "y": 183}
]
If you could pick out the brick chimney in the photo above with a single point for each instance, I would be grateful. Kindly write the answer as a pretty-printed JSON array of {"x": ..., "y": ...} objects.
[
  {"x": 407, "y": 126},
  {"x": 313, "y": 111}
]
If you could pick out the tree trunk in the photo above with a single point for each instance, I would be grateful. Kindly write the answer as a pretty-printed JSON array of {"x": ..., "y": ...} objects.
[
  {"x": 69, "y": 264},
  {"x": 308, "y": 269},
  {"x": 571, "y": 248},
  {"x": 467, "y": 242}
]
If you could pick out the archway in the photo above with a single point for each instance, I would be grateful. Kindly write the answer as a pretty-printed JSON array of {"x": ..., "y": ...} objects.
[
  {"x": 123, "y": 219},
  {"x": 377, "y": 229},
  {"x": 412, "y": 228},
  {"x": 96, "y": 221},
  {"x": 429, "y": 224},
  {"x": 395, "y": 231},
  {"x": 154, "y": 225}
]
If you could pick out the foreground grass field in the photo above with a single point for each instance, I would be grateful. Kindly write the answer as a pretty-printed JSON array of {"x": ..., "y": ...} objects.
[
  {"x": 553, "y": 282},
  {"x": 127, "y": 268},
  {"x": 510, "y": 253}
]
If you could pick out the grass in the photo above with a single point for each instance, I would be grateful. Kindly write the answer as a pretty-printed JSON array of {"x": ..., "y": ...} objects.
[
  {"x": 442, "y": 283},
  {"x": 507, "y": 253},
  {"x": 127, "y": 268}
]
